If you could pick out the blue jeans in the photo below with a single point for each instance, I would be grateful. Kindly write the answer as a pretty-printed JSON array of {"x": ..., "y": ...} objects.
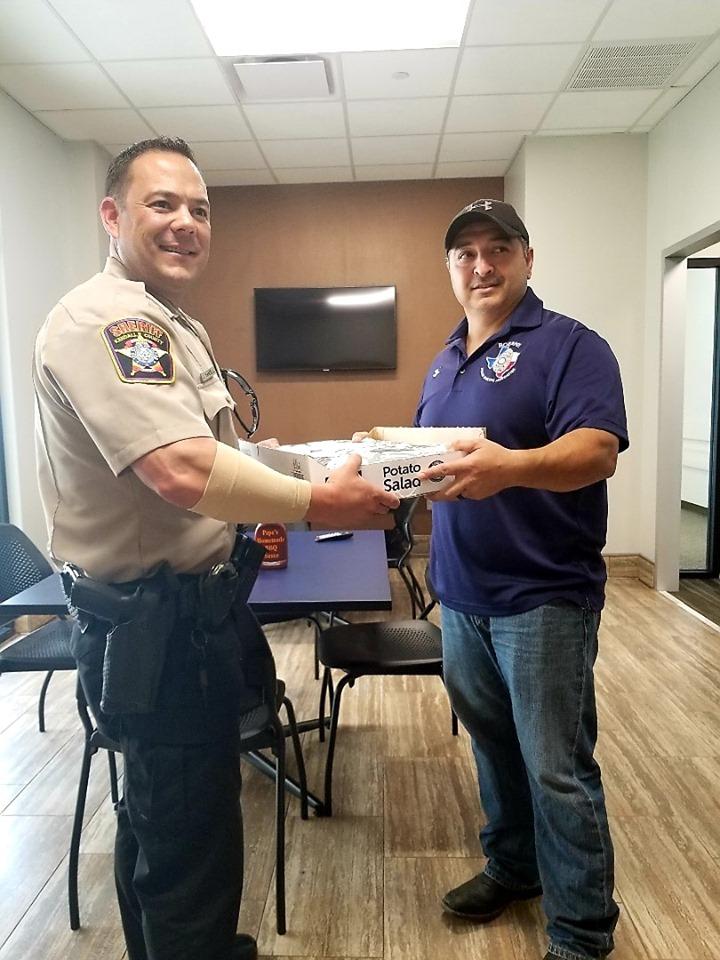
[{"x": 523, "y": 687}]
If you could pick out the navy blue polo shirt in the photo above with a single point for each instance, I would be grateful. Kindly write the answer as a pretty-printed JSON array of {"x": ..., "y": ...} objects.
[{"x": 539, "y": 377}]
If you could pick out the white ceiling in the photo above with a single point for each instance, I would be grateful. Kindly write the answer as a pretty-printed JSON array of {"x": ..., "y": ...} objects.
[{"x": 115, "y": 71}]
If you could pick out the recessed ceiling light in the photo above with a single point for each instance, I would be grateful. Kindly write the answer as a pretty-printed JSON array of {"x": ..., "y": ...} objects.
[{"x": 329, "y": 26}]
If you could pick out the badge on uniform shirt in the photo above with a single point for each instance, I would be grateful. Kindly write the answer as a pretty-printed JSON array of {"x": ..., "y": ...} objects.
[
  {"x": 503, "y": 364},
  {"x": 140, "y": 350}
]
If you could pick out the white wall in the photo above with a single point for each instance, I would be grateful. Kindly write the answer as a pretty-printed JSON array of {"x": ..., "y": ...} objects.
[
  {"x": 583, "y": 200},
  {"x": 49, "y": 242},
  {"x": 683, "y": 217}
]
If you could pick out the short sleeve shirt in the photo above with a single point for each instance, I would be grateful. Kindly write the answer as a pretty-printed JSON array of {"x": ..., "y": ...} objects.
[
  {"x": 539, "y": 377},
  {"x": 118, "y": 374}
]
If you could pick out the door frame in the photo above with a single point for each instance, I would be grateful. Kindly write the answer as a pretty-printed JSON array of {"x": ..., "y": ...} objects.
[
  {"x": 668, "y": 464},
  {"x": 711, "y": 570}
]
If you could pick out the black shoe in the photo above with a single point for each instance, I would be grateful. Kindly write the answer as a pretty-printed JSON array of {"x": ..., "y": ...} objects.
[
  {"x": 483, "y": 899},
  {"x": 244, "y": 947}
]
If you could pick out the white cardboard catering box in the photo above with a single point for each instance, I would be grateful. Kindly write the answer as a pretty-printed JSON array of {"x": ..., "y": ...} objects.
[{"x": 392, "y": 457}]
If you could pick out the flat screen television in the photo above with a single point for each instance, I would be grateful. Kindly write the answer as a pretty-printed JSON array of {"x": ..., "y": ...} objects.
[{"x": 325, "y": 328}]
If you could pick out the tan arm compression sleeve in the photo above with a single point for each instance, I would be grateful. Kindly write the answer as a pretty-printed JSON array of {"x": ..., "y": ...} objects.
[{"x": 241, "y": 490}]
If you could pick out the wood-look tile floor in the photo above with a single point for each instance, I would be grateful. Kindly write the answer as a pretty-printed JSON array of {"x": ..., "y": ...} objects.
[{"x": 367, "y": 882}]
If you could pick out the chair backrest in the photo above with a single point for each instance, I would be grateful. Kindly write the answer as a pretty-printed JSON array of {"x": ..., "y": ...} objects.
[
  {"x": 400, "y": 540},
  {"x": 434, "y": 599},
  {"x": 21, "y": 563}
]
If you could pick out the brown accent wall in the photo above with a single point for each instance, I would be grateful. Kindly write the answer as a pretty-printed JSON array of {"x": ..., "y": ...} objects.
[{"x": 323, "y": 235}]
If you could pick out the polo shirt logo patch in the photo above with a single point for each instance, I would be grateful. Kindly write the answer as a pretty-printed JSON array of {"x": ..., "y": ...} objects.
[
  {"x": 140, "y": 351},
  {"x": 503, "y": 364}
]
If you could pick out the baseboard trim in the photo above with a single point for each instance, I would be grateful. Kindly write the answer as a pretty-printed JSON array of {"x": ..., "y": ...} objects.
[{"x": 631, "y": 565}]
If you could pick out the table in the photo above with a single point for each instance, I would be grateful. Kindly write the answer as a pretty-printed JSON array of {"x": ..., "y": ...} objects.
[
  {"x": 334, "y": 575},
  {"x": 329, "y": 576}
]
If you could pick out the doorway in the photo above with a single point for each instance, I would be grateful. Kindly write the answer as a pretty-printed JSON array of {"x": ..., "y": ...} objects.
[
  {"x": 700, "y": 500},
  {"x": 699, "y": 586}
]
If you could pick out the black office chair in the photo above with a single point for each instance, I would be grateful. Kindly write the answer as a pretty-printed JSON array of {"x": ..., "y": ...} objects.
[
  {"x": 260, "y": 729},
  {"x": 399, "y": 543},
  {"x": 94, "y": 741},
  {"x": 43, "y": 650},
  {"x": 383, "y": 648},
  {"x": 433, "y": 599}
]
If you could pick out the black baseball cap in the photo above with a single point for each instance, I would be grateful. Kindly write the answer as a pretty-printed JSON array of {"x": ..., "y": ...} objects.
[{"x": 504, "y": 215}]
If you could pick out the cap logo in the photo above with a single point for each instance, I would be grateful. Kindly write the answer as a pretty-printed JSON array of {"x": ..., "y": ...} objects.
[{"x": 481, "y": 205}]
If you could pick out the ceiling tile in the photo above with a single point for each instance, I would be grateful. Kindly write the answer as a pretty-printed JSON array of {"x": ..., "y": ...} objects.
[
  {"x": 157, "y": 74},
  {"x": 233, "y": 154},
  {"x": 516, "y": 69},
  {"x": 152, "y": 29},
  {"x": 517, "y": 111},
  {"x": 316, "y": 175},
  {"x": 298, "y": 153},
  {"x": 231, "y": 178},
  {"x": 648, "y": 19},
  {"x": 701, "y": 66},
  {"x": 370, "y": 75},
  {"x": 171, "y": 83},
  {"x": 663, "y": 105},
  {"x": 479, "y": 146},
  {"x": 105, "y": 126},
  {"x": 375, "y": 118},
  {"x": 598, "y": 108},
  {"x": 528, "y": 21},
  {"x": 473, "y": 168},
  {"x": 32, "y": 33},
  {"x": 377, "y": 150},
  {"x": 60, "y": 86},
  {"x": 210, "y": 123},
  {"x": 395, "y": 171},
  {"x": 282, "y": 121}
]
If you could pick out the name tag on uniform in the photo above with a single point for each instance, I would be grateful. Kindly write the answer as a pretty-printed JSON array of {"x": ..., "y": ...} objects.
[{"x": 207, "y": 375}]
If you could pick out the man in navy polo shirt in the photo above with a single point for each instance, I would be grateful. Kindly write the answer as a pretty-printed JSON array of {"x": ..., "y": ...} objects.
[{"x": 516, "y": 563}]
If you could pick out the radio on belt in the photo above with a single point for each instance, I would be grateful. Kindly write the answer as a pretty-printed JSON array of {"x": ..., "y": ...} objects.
[{"x": 392, "y": 457}]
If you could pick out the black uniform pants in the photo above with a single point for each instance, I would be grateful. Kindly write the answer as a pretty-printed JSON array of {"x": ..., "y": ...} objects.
[
  {"x": 179, "y": 849},
  {"x": 179, "y": 844}
]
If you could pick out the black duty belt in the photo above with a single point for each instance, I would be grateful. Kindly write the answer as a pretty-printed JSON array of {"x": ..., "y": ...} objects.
[{"x": 207, "y": 595}]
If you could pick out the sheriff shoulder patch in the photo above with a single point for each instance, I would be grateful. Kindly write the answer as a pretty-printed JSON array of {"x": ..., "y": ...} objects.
[{"x": 140, "y": 351}]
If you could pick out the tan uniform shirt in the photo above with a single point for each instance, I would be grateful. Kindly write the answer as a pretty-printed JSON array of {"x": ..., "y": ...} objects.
[{"x": 118, "y": 374}]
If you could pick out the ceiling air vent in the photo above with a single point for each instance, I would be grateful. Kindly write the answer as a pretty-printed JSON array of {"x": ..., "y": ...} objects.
[
  {"x": 284, "y": 78},
  {"x": 633, "y": 65}
]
